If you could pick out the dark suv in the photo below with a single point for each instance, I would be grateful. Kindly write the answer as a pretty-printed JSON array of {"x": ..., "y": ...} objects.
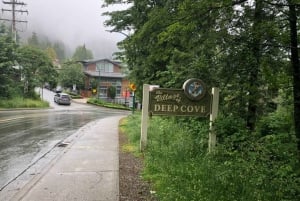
[{"x": 62, "y": 98}]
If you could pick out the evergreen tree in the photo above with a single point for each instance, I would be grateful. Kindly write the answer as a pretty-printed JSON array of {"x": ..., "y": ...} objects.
[
  {"x": 82, "y": 53},
  {"x": 34, "y": 40},
  {"x": 60, "y": 51}
]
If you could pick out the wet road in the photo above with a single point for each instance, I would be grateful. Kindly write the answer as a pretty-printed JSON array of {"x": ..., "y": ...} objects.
[{"x": 27, "y": 135}]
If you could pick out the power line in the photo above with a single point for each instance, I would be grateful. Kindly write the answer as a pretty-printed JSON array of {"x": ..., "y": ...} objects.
[{"x": 14, "y": 11}]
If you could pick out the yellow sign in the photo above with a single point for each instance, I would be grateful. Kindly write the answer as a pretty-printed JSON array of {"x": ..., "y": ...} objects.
[{"x": 132, "y": 87}]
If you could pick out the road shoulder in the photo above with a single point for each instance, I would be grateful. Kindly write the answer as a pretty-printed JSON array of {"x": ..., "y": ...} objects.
[{"x": 131, "y": 184}]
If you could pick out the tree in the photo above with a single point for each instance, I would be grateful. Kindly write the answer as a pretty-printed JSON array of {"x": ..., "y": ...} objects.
[
  {"x": 293, "y": 15},
  {"x": 70, "y": 74},
  {"x": 44, "y": 43},
  {"x": 51, "y": 53},
  {"x": 8, "y": 75},
  {"x": 81, "y": 53},
  {"x": 34, "y": 40},
  {"x": 111, "y": 92},
  {"x": 36, "y": 68},
  {"x": 60, "y": 50}
]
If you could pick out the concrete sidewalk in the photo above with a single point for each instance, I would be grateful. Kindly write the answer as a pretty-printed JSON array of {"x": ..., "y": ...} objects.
[{"x": 87, "y": 170}]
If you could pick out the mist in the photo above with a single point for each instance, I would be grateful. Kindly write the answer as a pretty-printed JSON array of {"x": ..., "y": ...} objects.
[{"x": 74, "y": 23}]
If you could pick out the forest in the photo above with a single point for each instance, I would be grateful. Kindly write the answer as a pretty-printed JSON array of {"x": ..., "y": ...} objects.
[{"x": 249, "y": 49}]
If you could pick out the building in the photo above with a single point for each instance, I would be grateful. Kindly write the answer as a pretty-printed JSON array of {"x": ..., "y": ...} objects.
[{"x": 100, "y": 75}]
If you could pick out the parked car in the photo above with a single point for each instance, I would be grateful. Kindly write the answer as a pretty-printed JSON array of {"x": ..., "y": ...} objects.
[
  {"x": 62, "y": 98},
  {"x": 58, "y": 89}
]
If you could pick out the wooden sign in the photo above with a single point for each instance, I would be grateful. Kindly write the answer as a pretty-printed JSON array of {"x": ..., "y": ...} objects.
[
  {"x": 174, "y": 102},
  {"x": 191, "y": 100}
]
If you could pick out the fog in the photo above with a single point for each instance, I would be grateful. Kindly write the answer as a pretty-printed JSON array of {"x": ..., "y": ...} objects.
[{"x": 74, "y": 22}]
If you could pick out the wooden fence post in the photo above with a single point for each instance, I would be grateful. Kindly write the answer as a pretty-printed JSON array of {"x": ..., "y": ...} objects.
[
  {"x": 214, "y": 113},
  {"x": 144, "y": 118}
]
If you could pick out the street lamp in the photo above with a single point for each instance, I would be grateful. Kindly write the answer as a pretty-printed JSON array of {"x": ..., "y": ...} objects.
[{"x": 99, "y": 84}]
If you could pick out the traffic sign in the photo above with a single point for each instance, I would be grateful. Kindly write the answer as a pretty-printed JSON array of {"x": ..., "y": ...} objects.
[{"x": 132, "y": 87}]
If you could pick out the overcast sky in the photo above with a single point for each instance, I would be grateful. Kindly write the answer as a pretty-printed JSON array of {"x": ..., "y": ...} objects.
[{"x": 75, "y": 22}]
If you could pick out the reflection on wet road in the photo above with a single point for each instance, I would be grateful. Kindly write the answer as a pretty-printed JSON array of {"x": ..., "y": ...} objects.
[{"x": 26, "y": 135}]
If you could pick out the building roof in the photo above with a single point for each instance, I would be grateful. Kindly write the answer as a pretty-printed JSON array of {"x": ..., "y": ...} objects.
[
  {"x": 92, "y": 61},
  {"x": 103, "y": 74}
]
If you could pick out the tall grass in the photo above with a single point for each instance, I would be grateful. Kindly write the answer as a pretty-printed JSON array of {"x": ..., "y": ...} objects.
[
  {"x": 131, "y": 126},
  {"x": 244, "y": 167},
  {"x": 23, "y": 103}
]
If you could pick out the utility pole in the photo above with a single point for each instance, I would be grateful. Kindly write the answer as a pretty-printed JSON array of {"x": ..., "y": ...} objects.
[{"x": 14, "y": 11}]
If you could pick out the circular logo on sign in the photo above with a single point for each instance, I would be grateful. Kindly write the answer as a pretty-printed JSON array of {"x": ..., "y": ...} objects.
[{"x": 194, "y": 89}]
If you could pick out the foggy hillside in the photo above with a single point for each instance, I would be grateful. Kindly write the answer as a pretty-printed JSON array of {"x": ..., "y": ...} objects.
[{"x": 74, "y": 23}]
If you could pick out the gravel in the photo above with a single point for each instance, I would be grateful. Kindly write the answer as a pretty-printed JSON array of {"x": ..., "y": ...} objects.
[{"x": 131, "y": 185}]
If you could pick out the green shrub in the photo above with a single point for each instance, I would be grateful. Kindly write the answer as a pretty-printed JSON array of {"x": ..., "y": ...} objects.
[
  {"x": 112, "y": 92},
  {"x": 100, "y": 102},
  {"x": 74, "y": 95},
  {"x": 275, "y": 122}
]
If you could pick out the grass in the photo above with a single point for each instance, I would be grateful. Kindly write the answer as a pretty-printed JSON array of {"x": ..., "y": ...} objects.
[
  {"x": 130, "y": 126},
  {"x": 23, "y": 103},
  {"x": 129, "y": 148},
  {"x": 102, "y": 103}
]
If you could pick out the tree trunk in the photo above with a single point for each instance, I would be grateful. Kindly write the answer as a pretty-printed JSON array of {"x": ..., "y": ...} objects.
[
  {"x": 254, "y": 69},
  {"x": 296, "y": 69}
]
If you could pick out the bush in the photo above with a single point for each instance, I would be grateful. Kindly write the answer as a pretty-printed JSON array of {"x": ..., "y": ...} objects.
[
  {"x": 74, "y": 95},
  {"x": 102, "y": 103},
  {"x": 111, "y": 92},
  {"x": 275, "y": 122}
]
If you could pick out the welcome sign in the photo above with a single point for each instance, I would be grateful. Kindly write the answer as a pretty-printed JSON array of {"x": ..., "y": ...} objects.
[{"x": 192, "y": 100}]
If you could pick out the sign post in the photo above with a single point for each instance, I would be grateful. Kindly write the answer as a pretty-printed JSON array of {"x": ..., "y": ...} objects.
[
  {"x": 192, "y": 100},
  {"x": 133, "y": 88},
  {"x": 214, "y": 112},
  {"x": 144, "y": 120}
]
